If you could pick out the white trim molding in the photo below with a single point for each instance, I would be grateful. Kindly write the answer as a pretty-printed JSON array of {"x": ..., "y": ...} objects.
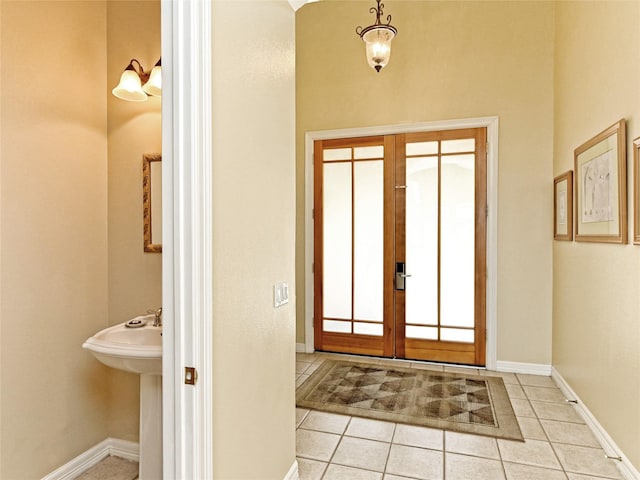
[
  {"x": 86, "y": 460},
  {"x": 124, "y": 449},
  {"x": 492, "y": 125},
  {"x": 628, "y": 471},
  {"x": 292, "y": 474},
  {"x": 187, "y": 268},
  {"x": 528, "y": 368}
]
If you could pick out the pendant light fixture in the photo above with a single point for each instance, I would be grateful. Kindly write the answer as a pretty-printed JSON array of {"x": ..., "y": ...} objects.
[
  {"x": 136, "y": 84},
  {"x": 378, "y": 39}
]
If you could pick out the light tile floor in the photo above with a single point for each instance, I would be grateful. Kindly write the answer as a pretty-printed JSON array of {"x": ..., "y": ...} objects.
[{"x": 558, "y": 445}]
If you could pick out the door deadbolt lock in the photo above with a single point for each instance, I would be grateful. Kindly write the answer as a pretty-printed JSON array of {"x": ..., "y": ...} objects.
[{"x": 401, "y": 276}]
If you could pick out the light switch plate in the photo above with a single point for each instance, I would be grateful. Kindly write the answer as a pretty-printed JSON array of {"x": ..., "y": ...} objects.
[{"x": 280, "y": 294}]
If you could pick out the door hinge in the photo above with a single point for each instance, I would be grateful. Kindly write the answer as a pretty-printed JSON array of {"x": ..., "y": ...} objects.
[
  {"x": 190, "y": 375},
  {"x": 313, "y": 268},
  {"x": 486, "y": 211},
  {"x": 486, "y": 148},
  {"x": 313, "y": 214}
]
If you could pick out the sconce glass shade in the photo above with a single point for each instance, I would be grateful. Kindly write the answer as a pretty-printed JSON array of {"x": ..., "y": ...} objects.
[
  {"x": 130, "y": 86},
  {"x": 154, "y": 84},
  {"x": 378, "y": 41}
]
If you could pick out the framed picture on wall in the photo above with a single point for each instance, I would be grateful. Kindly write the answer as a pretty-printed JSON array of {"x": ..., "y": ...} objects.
[
  {"x": 636, "y": 193},
  {"x": 152, "y": 202},
  {"x": 563, "y": 206},
  {"x": 601, "y": 187}
]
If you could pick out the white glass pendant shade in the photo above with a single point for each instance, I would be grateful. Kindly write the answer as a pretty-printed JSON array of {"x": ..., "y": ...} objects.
[
  {"x": 130, "y": 87},
  {"x": 378, "y": 41},
  {"x": 154, "y": 84}
]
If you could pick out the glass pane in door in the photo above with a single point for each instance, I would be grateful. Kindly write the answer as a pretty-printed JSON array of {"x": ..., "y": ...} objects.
[
  {"x": 368, "y": 247},
  {"x": 336, "y": 276},
  {"x": 457, "y": 246},
  {"x": 421, "y": 243}
]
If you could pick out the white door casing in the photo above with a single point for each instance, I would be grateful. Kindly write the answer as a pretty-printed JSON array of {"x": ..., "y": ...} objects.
[{"x": 187, "y": 268}]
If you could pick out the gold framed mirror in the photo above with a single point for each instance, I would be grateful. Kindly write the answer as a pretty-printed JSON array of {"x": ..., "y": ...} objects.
[{"x": 152, "y": 201}]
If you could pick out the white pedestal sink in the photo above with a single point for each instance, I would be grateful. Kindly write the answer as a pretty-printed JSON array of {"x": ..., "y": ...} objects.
[{"x": 138, "y": 350}]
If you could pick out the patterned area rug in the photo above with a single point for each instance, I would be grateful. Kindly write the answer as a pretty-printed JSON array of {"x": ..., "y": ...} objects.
[{"x": 451, "y": 401}]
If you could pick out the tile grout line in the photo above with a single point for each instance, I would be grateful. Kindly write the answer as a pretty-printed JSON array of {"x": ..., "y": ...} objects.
[
  {"x": 504, "y": 470},
  {"x": 329, "y": 463},
  {"x": 386, "y": 463},
  {"x": 444, "y": 455}
]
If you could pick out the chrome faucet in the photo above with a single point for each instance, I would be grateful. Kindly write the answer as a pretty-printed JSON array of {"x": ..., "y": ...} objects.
[{"x": 158, "y": 320}]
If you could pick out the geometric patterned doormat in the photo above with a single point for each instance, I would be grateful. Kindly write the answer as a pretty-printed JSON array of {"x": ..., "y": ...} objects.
[{"x": 450, "y": 401}]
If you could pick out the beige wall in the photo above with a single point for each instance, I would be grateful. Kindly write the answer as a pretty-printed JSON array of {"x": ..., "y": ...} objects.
[
  {"x": 596, "y": 334},
  {"x": 71, "y": 231},
  {"x": 450, "y": 60},
  {"x": 53, "y": 206},
  {"x": 135, "y": 277},
  {"x": 254, "y": 239}
]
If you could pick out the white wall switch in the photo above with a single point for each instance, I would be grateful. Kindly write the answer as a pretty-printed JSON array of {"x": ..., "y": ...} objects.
[{"x": 280, "y": 294}]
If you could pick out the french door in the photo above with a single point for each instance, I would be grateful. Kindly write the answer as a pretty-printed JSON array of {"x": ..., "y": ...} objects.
[{"x": 400, "y": 245}]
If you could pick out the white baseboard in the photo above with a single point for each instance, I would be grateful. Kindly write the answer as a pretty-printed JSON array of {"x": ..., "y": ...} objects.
[
  {"x": 629, "y": 472},
  {"x": 86, "y": 460},
  {"x": 293, "y": 472},
  {"x": 528, "y": 368},
  {"x": 301, "y": 348},
  {"x": 124, "y": 449}
]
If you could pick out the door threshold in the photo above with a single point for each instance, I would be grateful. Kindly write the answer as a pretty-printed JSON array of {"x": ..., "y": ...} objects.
[{"x": 374, "y": 359}]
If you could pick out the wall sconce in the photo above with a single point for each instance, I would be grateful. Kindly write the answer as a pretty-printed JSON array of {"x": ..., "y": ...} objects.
[
  {"x": 378, "y": 39},
  {"x": 136, "y": 84}
]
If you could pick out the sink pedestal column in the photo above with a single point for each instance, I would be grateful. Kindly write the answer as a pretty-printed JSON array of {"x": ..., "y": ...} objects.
[{"x": 150, "y": 427}]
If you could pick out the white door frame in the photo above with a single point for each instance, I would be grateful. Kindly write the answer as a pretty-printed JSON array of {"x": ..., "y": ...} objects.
[
  {"x": 187, "y": 266},
  {"x": 491, "y": 123}
]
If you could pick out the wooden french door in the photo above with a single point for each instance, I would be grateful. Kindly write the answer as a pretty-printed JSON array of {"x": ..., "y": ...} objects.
[{"x": 400, "y": 245}]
